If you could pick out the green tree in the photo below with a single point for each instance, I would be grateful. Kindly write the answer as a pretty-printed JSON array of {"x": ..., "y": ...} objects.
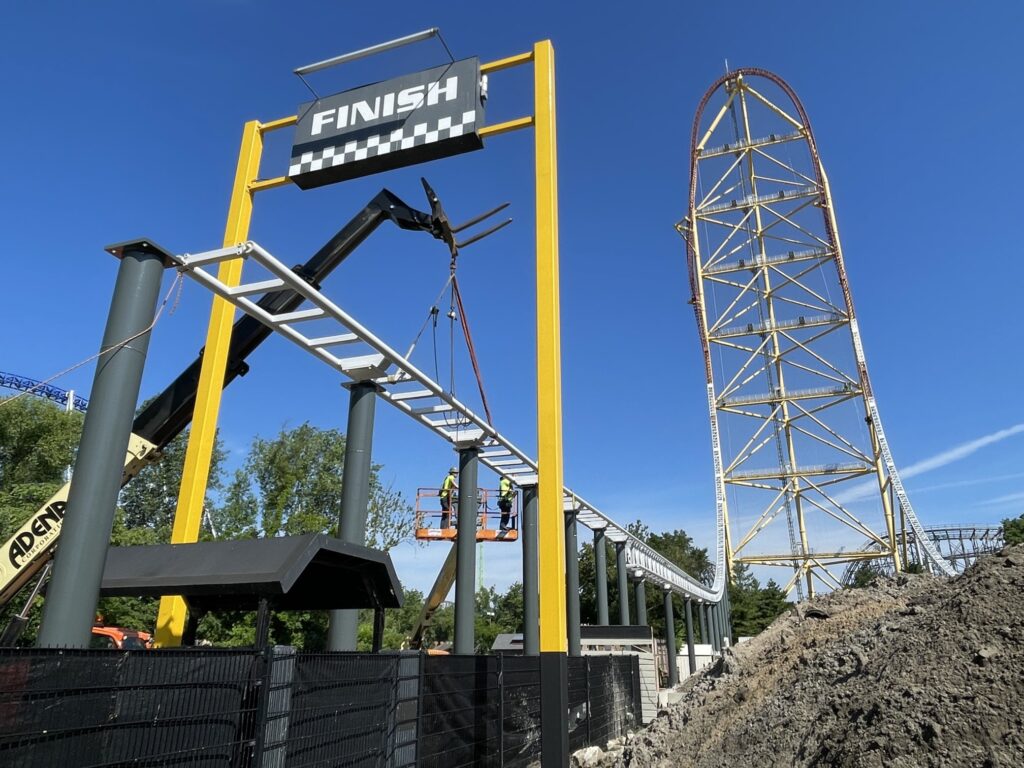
[
  {"x": 1013, "y": 530},
  {"x": 753, "y": 607},
  {"x": 291, "y": 485},
  {"x": 38, "y": 441},
  {"x": 150, "y": 500}
]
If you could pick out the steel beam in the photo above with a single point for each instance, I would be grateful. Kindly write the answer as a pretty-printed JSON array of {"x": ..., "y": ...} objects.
[
  {"x": 572, "y": 585},
  {"x": 690, "y": 654},
  {"x": 531, "y": 607},
  {"x": 601, "y": 576},
  {"x": 623, "y": 579},
  {"x": 343, "y": 630},
  {"x": 670, "y": 639},
  {"x": 74, "y": 589},
  {"x": 465, "y": 543},
  {"x": 640, "y": 597}
]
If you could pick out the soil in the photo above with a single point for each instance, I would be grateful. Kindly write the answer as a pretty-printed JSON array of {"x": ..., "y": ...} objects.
[{"x": 914, "y": 671}]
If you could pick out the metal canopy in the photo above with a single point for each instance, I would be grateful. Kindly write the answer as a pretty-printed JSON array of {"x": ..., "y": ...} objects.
[
  {"x": 411, "y": 391},
  {"x": 312, "y": 572}
]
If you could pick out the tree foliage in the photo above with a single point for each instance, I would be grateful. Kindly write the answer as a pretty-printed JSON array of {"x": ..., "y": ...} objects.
[
  {"x": 38, "y": 440},
  {"x": 1013, "y": 530}
]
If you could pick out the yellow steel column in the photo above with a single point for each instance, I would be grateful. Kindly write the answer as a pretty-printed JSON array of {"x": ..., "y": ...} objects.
[
  {"x": 170, "y": 624},
  {"x": 549, "y": 370}
]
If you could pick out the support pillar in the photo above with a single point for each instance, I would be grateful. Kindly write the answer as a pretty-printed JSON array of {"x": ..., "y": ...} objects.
[
  {"x": 715, "y": 628},
  {"x": 702, "y": 615},
  {"x": 623, "y": 578},
  {"x": 465, "y": 556},
  {"x": 670, "y": 639},
  {"x": 572, "y": 585},
  {"x": 355, "y": 496},
  {"x": 89, "y": 515},
  {"x": 601, "y": 576},
  {"x": 640, "y": 596},
  {"x": 531, "y": 604},
  {"x": 690, "y": 654},
  {"x": 727, "y": 619}
]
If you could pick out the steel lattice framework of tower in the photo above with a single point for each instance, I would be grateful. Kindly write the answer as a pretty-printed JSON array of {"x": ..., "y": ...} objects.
[{"x": 802, "y": 466}]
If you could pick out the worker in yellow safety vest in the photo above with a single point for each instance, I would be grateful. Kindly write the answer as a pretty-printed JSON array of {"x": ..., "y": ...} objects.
[
  {"x": 447, "y": 493},
  {"x": 505, "y": 497}
]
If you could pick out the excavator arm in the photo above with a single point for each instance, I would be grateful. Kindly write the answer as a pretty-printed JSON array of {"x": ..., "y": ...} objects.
[{"x": 26, "y": 552}]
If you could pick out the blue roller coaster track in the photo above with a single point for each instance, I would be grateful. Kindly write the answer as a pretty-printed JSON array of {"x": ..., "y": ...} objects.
[{"x": 37, "y": 388}]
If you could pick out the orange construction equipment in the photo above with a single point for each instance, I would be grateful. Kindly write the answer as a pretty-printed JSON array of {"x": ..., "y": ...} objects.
[{"x": 430, "y": 526}]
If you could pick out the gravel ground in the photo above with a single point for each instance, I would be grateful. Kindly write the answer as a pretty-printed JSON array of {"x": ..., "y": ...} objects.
[{"x": 915, "y": 671}]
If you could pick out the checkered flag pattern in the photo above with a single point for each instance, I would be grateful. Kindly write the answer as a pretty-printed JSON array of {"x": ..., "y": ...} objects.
[{"x": 404, "y": 138}]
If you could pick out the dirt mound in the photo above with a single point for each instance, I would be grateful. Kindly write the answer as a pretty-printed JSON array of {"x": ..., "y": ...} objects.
[{"x": 915, "y": 671}]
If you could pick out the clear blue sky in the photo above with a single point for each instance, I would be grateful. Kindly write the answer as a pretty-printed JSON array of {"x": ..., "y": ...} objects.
[{"x": 123, "y": 119}]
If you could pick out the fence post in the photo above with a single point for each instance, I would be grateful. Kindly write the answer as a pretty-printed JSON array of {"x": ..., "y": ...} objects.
[
  {"x": 501, "y": 710},
  {"x": 262, "y": 681},
  {"x": 590, "y": 706}
]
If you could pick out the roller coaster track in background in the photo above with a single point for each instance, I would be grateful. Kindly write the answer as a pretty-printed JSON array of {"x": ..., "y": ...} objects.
[
  {"x": 960, "y": 545},
  {"x": 784, "y": 364},
  {"x": 41, "y": 389}
]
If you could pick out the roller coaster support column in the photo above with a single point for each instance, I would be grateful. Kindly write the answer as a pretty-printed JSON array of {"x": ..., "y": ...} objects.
[
  {"x": 465, "y": 556},
  {"x": 623, "y": 576},
  {"x": 531, "y": 605},
  {"x": 727, "y": 619},
  {"x": 572, "y": 584},
  {"x": 355, "y": 496},
  {"x": 640, "y": 597},
  {"x": 601, "y": 574},
  {"x": 89, "y": 517},
  {"x": 716, "y": 627},
  {"x": 690, "y": 655},
  {"x": 670, "y": 639},
  {"x": 702, "y": 615}
]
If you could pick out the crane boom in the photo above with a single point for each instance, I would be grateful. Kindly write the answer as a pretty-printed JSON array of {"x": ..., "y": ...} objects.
[{"x": 26, "y": 552}]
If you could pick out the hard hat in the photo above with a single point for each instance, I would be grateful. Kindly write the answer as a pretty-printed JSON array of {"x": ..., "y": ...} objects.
[{"x": 453, "y": 470}]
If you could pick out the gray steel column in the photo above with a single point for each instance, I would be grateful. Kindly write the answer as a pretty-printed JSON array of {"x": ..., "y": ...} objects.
[
  {"x": 601, "y": 576},
  {"x": 727, "y": 618},
  {"x": 465, "y": 557},
  {"x": 89, "y": 515},
  {"x": 716, "y": 629},
  {"x": 623, "y": 578},
  {"x": 691, "y": 655},
  {"x": 343, "y": 629},
  {"x": 531, "y": 594},
  {"x": 702, "y": 614},
  {"x": 640, "y": 596},
  {"x": 572, "y": 584},
  {"x": 670, "y": 639}
]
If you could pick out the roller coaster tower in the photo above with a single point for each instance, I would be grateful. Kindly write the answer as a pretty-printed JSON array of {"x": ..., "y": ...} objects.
[{"x": 802, "y": 466}]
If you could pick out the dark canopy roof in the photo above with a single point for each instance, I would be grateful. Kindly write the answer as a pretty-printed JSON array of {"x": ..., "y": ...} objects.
[{"x": 313, "y": 572}]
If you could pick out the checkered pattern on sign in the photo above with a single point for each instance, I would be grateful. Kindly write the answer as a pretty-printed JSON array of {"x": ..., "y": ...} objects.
[{"x": 372, "y": 146}]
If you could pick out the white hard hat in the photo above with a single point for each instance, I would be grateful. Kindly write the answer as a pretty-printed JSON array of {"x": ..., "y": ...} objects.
[{"x": 454, "y": 470}]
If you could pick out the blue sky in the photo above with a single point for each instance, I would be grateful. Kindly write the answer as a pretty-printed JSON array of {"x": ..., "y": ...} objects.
[{"x": 123, "y": 120}]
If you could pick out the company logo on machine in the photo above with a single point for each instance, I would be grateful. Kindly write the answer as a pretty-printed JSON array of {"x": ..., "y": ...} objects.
[{"x": 399, "y": 122}]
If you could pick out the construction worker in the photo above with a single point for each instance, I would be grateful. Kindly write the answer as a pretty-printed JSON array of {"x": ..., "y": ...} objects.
[
  {"x": 505, "y": 496},
  {"x": 447, "y": 493}
]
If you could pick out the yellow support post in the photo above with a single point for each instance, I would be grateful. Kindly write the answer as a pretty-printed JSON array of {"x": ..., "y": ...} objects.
[
  {"x": 551, "y": 521},
  {"x": 551, "y": 524},
  {"x": 170, "y": 624}
]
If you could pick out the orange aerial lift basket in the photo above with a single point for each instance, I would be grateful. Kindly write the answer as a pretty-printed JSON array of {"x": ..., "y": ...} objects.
[{"x": 435, "y": 524}]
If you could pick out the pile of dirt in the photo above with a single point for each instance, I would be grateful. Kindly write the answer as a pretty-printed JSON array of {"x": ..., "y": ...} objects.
[{"x": 914, "y": 671}]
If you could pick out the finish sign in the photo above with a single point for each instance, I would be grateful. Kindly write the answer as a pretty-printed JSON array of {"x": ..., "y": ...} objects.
[{"x": 399, "y": 122}]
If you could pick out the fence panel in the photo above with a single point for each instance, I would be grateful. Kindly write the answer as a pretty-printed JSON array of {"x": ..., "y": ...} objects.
[{"x": 95, "y": 708}]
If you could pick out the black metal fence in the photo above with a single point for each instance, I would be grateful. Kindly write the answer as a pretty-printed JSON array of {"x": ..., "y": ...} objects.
[{"x": 282, "y": 709}]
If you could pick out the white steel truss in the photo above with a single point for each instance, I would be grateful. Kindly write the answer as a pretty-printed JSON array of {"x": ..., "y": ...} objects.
[
  {"x": 405, "y": 387},
  {"x": 795, "y": 429}
]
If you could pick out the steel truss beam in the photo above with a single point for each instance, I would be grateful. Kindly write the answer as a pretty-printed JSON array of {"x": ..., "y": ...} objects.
[
  {"x": 784, "y": 365},
  {"x": 408, "y": 389}
]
